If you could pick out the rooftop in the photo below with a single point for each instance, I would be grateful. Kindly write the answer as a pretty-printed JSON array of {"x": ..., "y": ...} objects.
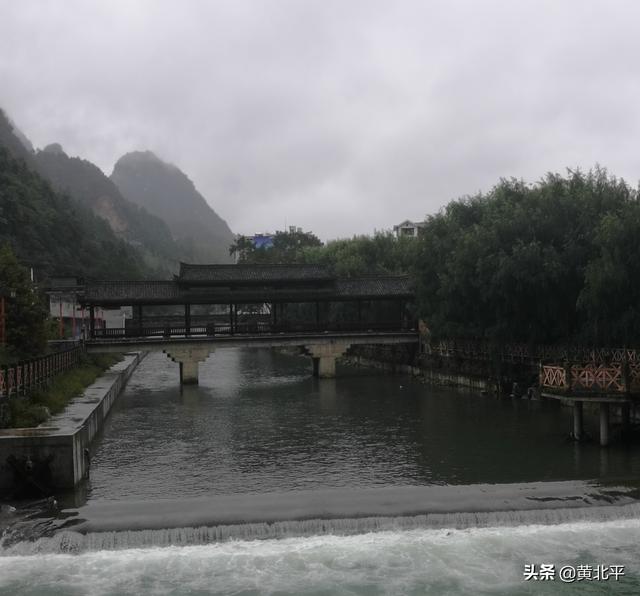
[
  {"x": 122, "y": 293},
  {"x": 226, "y": 274}
]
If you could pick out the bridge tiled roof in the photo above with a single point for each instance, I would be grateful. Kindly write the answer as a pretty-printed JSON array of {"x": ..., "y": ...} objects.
[
  {"x": 375, "y": 286},
  {"x": 225, "y": 274},
  {"x": 136, "y": 291},
  {"x": 123, "y": 293}
]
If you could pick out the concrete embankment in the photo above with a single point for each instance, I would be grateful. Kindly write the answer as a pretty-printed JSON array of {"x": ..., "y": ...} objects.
[
  {"x": 56, "y": 453},
  {"x": 435, "y": 377},
  {"x": 477, "y": 375}
]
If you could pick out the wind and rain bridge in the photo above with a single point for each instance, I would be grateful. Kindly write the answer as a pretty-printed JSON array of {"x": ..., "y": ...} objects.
[{"x": 288, "y": 306}]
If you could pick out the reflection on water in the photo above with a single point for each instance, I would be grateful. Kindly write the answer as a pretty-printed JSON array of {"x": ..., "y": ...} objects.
[{"x": 258, "y": 422}]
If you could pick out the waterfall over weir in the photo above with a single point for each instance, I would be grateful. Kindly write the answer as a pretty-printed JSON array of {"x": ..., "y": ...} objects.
[
  {"x": 70, "y": 542},
  {"x": 145, "y": 524}
]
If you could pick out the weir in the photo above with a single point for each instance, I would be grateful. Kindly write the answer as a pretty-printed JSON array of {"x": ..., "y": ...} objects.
[{"x": 107, "y": 526}]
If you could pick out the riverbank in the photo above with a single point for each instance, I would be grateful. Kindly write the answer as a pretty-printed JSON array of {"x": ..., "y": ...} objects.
[
  {"x": 56, "y": 454},
  {"x": 27, "y": 412},
  {"x": 508, "y": 380}
]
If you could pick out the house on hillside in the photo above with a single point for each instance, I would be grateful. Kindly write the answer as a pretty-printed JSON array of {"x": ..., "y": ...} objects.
[{"x": 408, "y": 228}]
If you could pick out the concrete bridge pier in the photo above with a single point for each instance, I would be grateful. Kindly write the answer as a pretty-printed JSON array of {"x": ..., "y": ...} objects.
[
  {"x": 625, "y": 414},
  {"x": 604, "y": 424},
  {"x": 578, "y": 421},
  {"x": 189, "y": 359},
  {"x": 324, "y": 358}
]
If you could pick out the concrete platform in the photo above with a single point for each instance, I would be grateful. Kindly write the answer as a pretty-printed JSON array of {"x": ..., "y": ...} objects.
[{"x": 59, "y": 448}]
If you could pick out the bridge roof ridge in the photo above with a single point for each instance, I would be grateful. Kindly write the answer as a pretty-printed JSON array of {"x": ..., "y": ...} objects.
[{"x": 245, "y": 272}]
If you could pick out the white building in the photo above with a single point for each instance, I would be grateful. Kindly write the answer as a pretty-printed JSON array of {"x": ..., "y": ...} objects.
[
  {"x": 408, "y": 228},
  {"x": 72, "y": 318}
]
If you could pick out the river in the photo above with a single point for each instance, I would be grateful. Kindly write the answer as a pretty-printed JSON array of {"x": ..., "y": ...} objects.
[{"x": 264, "y": 480}]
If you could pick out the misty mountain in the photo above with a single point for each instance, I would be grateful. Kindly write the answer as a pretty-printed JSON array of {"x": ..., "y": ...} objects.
[
  {"x": 51, "y": 232},
  {"x": 15, "y": 142},
  {"x": 164, "y": 190},
  {"x": 87, "y": 184}
]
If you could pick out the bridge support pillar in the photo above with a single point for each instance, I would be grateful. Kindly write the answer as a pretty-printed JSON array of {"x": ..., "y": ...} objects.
[
  {"x": 189, "y": 359},
  {"x": 324, "y": 358},
  {"x": 578, "y": 425},
  {"x": 625, "y": 413},
  {"x": 604, "y": 424}
]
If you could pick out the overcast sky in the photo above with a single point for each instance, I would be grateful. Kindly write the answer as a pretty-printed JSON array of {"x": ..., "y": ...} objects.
[{"x": 338, "y": 116}]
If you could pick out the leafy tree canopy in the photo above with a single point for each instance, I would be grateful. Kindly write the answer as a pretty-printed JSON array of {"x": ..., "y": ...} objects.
[
  {"x": 552, "y": 261},
  {"x": 25, "y": 313},
  {"x": 287, "y": 247}
]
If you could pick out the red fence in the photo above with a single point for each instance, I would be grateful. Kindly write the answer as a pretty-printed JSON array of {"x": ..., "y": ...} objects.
[
  {"x": 515, "y": 352},
  {"x": 615, "y": 377},
  {"x": 24, "y": 377},
  {"x": 565, "y": 369}
]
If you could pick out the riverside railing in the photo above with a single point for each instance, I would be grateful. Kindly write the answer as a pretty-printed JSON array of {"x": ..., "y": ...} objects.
[
  {"x": 577, "y": 370},
  {"x": 518, "y": 352},
  {"x": 24, "y": 377},
  {"x": 592, "y": 377},
  {"x": 256, "y": 327}
]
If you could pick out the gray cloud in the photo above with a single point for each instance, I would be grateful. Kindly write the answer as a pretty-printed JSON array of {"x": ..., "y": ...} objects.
[{"x": 341, "y": 117}]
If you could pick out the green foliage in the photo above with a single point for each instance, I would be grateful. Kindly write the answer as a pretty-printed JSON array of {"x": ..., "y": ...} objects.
[
  {"x": 288, "y": 247},
  {"x": 538, "y": 263},
  {"x": 31, "y": 412},
  {"x": 26, "y": 321},
  {"x": 611, "y": 295},
  {"x": 54, "y": 234},
  {"x": 361, "y": 255},
  {"x": 87, "y": 184},
  {"x": 382, "y": 253},
  {"x": 162, "y": 189}
]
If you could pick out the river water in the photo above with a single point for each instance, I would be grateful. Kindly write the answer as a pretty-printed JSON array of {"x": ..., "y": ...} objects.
[{"x": 265, "y": 480}]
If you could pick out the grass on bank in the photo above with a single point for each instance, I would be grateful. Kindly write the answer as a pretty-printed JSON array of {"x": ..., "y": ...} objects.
[{"x": 35, "y": 409}]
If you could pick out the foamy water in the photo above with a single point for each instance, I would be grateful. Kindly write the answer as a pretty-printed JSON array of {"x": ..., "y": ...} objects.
[{"x": 420, "y": 561}]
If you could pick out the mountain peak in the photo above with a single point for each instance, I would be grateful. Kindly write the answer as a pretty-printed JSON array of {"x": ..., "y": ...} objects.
[
  {"x": 165, "y": 190},
  {"x": 54, "y": 148},
  {"x": 146, "y": 158}
]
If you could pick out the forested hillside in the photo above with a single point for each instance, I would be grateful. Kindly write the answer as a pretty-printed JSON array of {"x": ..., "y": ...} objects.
[
  {"x": 86, "y": 183},
  {"x": 9, "y": 138},
  {"x": 164, "y": 190},
  {"x": 150, "y": 247},
  {"x": 54, "y": 234}
]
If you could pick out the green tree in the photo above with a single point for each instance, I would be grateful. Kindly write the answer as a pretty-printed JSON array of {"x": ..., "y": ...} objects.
[
  {"x": 25, "y": 314},
  {"x": 381, "y": 254},
  {"x": 513, "y": 264},
  {"x": 287, "y": 247}
]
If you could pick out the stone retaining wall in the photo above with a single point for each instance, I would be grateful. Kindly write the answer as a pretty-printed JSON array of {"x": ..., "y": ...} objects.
[{"x": 56, "y": 453}]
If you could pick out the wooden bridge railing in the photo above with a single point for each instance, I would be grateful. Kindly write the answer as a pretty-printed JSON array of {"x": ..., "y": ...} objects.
[
  {"x": 242, "y": 328},
  {"x": 24, "y": 377}
]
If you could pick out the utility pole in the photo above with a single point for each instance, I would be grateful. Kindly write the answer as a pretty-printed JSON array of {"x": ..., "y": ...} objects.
[
  {"x": 2, "y": 323},
  {"x": 73, "y": 319},
  {"x": 4, "y": 294},
  {"x": 61, "y": 324}
]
